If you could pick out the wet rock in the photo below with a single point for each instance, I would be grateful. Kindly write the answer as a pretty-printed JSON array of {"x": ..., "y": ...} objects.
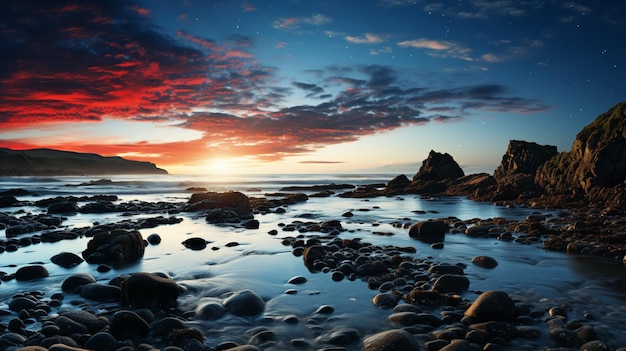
[
  {"x": 431, "y": 298},
  {"x": 492, "y": 305},
  {"x": 251, "y": 224},
  {"x": 75, "y": 281},
  {"x": 31, "y": 273},
  {"x": 125, "y": 324},
  {"x": 496, "y": 329},
  {"x": 117, "y": 247},
  {"x": 371, "y": 268},
  {"x": 148, "y": 290},
  {"x": 101, "y": 341},
  {"x": 485, "y": 261},
  {"x": 457, "y": 345},
  {"x": 100, "y": 292},
  {"x": 63, "y": 208},
  {"x": 391, "y": 340},
  {"x": 312, "y": 254},
  {"x": 562, "y": 337},
  {"x": 431, "y": 231},
  {"x": 87, "y": 319},
  {"x": 385, "y": 300},
  {"x": 451, "y": 283},
  {"x": 404, "y": 318},
  {"x": 595, "y": 345},
  {"x": 210, "y": 310},
  {"x": 196, "y": 244},
  {"x": 69, "y": 326},
  {"x": 21, "y": 303},
  {"x": 325, "y": 309},
  {"x": 8, "y": 201},
  {"x": 244, "y": 303},
  {"x": 297, "y": 280},
  {"x": 154, "y": 239},
  {"x": 161, "y": 327},
  {"x": 445, "y": 269},
  {"x": 66, "y": 259},
  {"x": 234, "y": 200}
]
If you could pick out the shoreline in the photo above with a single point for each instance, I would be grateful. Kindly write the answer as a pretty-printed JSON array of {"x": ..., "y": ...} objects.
[{"x": 397, "y": 289}]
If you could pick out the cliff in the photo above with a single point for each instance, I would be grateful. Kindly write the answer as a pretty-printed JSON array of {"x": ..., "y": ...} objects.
[
  {"x": 597, "y": 158},
  {"x": 54, "y": 162}
]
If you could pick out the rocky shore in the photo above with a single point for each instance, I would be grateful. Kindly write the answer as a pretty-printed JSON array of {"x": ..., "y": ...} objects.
[{"x": 428, "y": 304}]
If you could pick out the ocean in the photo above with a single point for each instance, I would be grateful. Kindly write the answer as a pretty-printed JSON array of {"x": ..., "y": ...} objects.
[{"x": 260, "y": 262}]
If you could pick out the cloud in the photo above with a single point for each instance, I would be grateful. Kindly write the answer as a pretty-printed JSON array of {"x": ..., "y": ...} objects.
[
  {"x": 184, "y": 98},
  {"x": 293, "y": 23},
  {"x": 248, "y": 7},
  {"x": 368, "y": 38},
  {"x": 438, "y": 48},
  {"x": 322, "y": 162},
  {"x": 310, "y": 89}
]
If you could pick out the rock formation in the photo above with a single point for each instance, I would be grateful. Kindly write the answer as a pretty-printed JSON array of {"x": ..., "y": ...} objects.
[
  {"x": 55, "y": 162},
  {"x": 595, "y": 168},
  {"x": 439, "y": 167},
  {"x": 522, "y": 157}
]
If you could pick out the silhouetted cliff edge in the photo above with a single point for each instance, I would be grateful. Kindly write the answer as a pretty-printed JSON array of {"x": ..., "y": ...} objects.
[{"x": 55, "y": 162}]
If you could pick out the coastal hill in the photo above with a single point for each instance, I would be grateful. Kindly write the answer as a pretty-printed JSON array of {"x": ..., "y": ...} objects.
[{"x": 48, "y": 162}]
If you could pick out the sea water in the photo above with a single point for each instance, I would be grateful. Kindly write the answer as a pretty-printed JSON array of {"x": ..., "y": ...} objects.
[{"x": 261, "y": 263}]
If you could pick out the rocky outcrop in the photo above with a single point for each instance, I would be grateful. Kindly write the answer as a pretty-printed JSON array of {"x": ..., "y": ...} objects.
[
  {"x": 55, "y": 162},
  {"x": 595, "y": 168},
  {"x": 439, "y": 166},
  {"x": 522, "y": 157}
]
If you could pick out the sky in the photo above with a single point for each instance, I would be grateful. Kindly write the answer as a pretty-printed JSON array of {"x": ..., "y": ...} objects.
[{"x": 299, "y": 86}]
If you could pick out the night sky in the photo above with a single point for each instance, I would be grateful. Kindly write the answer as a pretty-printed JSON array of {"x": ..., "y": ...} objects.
[{"x": 293, "y": 86}]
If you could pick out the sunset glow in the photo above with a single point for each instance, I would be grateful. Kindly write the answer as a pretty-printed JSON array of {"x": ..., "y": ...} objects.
[{"x": 310, "y": 87}]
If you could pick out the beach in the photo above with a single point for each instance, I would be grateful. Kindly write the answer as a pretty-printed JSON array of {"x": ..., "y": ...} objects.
[{"x": 561, "y": 301}]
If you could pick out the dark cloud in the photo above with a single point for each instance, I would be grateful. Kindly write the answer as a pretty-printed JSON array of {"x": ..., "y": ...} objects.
[{"x": 310, "y": 89}]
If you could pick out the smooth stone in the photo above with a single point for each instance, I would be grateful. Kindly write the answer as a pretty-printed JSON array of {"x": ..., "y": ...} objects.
[
  {"x": 391, "y": 340},
  {"x": 451, "y": 283},
  {"x": 125, "y": 324},
  {"x": 66, "y": 259},
  {"x": 148, "y": 290},
  {"x": 161, "y": 327},
  {"x": 496, "y": 329},
  {"x": 563, "y": 337},
  {"x": 21, "y": 303},
  {"x": 457, "y": 345},
  {"x": 325, "y": 309},
  {"x": 77, "y": 280},
  {"x": 195, "y": 244},
  {"x": 31, "y": 273},
  {"x": 492, "y": 305},
  {"x": 385, "y": 300},
  {"x": 404, "y": 318},
  {"x": 69, "y": 326},
  {"x": 244, "y": 303},
  {"x": 431, "y": 231},
  {"x": 297, "y": 280},
  {"x": 210, "y": 310},
  {"x": 154, "y": 239},
  {"x": 485, "y": 261},
  {"x": 595, "y": 345},
  {"x": 64, "y": 347},
  {"x": 101, "y": 341},
  {"x": 101, "y": 292},
  {"x": 93, "y": 323}
]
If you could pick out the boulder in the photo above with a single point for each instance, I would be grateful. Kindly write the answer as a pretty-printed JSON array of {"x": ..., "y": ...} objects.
[
  {"x": 431, "y": 231},
  {"x": 74, "y": 282},
  {"x": 100, "y": 292},
  {"x": 596, "y": 161},
  {"x": 438, "y": 167},
  {"x": 8, "y": 201},
  {"x": 148, "y": 290},
  {"x": 119, "y": 246},
  {"x": 451, "y": 283}
]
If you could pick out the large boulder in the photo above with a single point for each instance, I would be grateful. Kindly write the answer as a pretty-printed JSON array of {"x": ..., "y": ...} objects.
[
  {"x": 431, "y": 231},
  {"x": 596, "y": 162},
  {"x": 438, "y": 166},
  {"x": 148, "y": 290},
  {"x": 490, "y": 306},
  {"x": 118, "y": 246}
]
